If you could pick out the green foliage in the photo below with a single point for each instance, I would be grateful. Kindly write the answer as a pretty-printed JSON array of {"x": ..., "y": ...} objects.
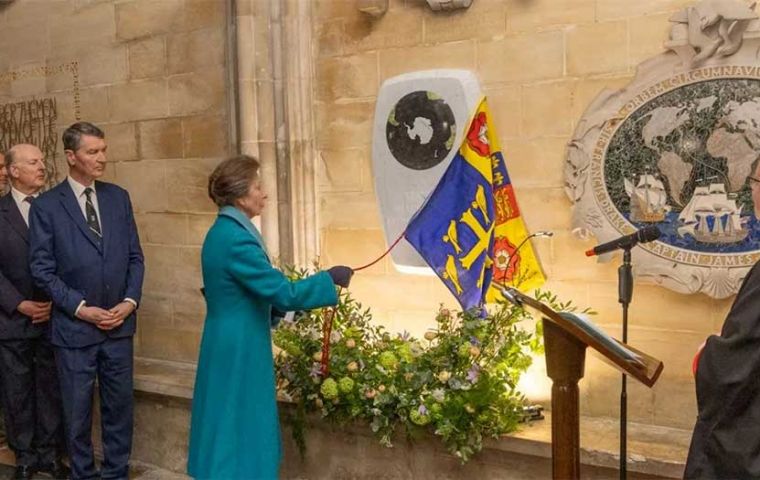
[{"x": 460, "y": 382}]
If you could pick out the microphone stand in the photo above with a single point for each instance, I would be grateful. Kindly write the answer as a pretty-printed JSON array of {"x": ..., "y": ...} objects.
[{"x": 625, "y": 294}]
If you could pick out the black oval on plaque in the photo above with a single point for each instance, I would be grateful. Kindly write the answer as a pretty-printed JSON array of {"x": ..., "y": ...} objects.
[{"x": 420, "y": 130}]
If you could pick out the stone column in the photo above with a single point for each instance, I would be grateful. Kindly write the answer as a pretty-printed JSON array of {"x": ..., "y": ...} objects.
[
  {"x": 298, "y": 56},
  {"x": 275, "y": 75}
]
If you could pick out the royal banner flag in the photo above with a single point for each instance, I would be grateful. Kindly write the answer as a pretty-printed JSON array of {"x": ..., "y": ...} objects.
[{"x": 469, "y": 230}]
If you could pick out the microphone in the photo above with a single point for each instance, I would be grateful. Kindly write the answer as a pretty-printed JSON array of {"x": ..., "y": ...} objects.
[
  {"x": 646, "y": 234},
  {"x": 541, "y": 233}
]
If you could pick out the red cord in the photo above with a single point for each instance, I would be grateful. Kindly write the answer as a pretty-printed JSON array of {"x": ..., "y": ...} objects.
[
  {"x": 329, "y": 314},
  {"x": 384, "y": 254},
  {"x": 326, "y": 331}
]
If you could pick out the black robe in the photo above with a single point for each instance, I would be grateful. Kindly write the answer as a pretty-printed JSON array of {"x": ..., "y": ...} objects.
[{"x": 726, "y": 439}]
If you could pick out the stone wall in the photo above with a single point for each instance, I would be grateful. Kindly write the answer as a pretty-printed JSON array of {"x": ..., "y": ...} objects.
[
  {"x": 540, "y": 64},
  {"x": 153, "y": 74}
]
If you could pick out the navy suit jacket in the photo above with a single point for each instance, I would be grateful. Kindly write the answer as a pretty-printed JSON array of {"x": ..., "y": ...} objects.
[
  {"x": 71, "y": 264},
  {"x": 16, "y": 284}
]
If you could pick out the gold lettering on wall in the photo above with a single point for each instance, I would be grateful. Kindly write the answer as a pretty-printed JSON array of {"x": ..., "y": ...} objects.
[
  {"x": 34, "y": 120},
  {"x": 31, "y": 122},
  {"x": 71, "y": 68}
]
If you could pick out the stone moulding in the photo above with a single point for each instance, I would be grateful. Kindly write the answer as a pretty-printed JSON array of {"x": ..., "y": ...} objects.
[
  {"x": 377, "y": 8},
  {"x": 711, "y": 43},
  {"x": 449, "y": 4}
]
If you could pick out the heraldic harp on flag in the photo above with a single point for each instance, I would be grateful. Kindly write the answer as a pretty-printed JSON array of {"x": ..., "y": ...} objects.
[{"x": 470, "y": 230}]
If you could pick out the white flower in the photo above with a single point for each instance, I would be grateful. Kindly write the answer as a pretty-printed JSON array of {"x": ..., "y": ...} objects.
[{"x": 438, "y": 394}]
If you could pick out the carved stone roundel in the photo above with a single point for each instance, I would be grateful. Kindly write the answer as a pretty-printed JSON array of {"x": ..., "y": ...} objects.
[
  {"x": 675, "y": 149},
  {"x": 681, "y": 161}
]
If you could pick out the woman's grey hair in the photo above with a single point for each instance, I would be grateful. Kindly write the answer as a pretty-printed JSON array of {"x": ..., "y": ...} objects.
[{"x": 231, "y": 179}]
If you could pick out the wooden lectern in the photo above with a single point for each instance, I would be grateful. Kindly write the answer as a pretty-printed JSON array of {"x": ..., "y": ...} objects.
[{"x": 566, "y": 337}]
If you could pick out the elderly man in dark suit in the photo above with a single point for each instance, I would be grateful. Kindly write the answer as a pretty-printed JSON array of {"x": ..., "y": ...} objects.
[
  {"x": 85, "y": 253},
  {"x": 3, "y": 176},
  {"x": 30, "y": 397}
]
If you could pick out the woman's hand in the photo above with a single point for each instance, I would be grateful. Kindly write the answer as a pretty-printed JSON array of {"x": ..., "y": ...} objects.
[{"x": 341, "y": 275}]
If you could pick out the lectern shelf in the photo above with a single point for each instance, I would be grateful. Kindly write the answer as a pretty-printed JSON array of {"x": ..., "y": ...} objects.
[{"x": 566, "y": 337}]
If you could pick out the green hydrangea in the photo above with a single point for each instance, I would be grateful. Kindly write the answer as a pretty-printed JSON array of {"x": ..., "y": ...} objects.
[
  {"x": 388, "y": 360},
  {"x": 345, "y": 385},
  {"x": 418, "y": 418},
  {"x": 291, "y": 348},
  {"x": 464, "y": 350},
  {"x": 405, "y": 352},
  {"x": 329, "y": 389},
  {"x": 352, "y": 332}
]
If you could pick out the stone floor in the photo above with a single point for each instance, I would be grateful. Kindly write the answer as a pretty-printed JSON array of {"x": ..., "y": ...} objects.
[
  {"x": 652, "y": 449},
  {"x": 137, "y": 472},
  {"x": 654, "y": 452}
]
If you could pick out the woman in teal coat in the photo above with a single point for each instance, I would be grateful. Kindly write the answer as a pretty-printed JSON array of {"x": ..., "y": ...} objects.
[{"x": 235, "y": 431}]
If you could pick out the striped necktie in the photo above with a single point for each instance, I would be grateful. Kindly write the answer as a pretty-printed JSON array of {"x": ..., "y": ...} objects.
[{"x": 91, "y": 214}]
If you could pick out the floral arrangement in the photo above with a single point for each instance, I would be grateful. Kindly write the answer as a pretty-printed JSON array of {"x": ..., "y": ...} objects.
[{"x": 459, "y": 381}]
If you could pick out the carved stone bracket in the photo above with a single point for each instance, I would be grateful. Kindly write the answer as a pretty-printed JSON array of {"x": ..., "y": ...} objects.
[
  {"x": 377, "y": 8},
  {"x": 449, "y": 4},
  {"x": 712, "y": 28}
]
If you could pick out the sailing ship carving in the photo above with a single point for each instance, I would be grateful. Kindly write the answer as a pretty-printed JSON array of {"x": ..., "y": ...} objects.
[
  {"x": 712, "y": 217},
  {"x": 649, "y": 200}
]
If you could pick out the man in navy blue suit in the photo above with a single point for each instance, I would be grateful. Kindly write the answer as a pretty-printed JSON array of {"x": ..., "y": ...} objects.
[
  {"x": 31, "y": 397},
  {"x": 85, "y": 253}
]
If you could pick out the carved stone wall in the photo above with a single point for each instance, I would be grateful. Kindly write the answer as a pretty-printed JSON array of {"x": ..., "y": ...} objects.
[
  {"x": 33, "y": 118},
  {"x": 541, "y": 63},
  {"x": 680, "y": 133},
  {"x": 152, "y": 74},
  {"x": 155, "y": 75}
]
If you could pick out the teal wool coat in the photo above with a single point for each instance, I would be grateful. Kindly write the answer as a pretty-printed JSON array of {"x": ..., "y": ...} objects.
[{"x": 235, "y": 431}]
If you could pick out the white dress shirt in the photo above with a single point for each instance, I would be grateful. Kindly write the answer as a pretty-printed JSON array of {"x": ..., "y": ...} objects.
[
  {"x": 79, "y": 189},
  {"x": 23, "y": 205},
  {"x": 82, "y": 198}
]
